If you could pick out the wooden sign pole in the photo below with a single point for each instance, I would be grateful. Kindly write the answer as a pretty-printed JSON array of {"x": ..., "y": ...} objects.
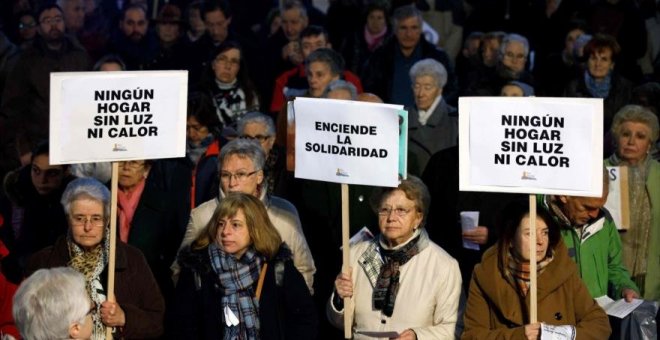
[
  {"x": 532, "y": 262},
  {"x": 113, "y": 239},
  {"x": 345, "y": 230}
]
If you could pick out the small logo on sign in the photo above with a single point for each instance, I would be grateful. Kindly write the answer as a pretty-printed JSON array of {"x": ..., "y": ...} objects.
[
  {"x": 118, "y": 147},
  {"x": 528, "y": 175},
  {"x": 341, "y": 173}
]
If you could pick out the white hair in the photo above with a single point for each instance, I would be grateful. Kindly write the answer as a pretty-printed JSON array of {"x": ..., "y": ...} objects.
[{"x": 48, "y": 302}]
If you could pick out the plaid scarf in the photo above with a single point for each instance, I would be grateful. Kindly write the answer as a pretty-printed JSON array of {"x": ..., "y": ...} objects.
[
  {"x": 387, "y": 283},
  {"x": 518, "y": 269},
  {"x": 238, "y": 279},
  {"x": 91, "y": 264}
]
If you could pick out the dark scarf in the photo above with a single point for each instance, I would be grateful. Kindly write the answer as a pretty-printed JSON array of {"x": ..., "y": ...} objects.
[
  {"x": 387, "y": 284},
  {"x": 195, "y": 152},
  {"x": 238, "y": 279},
  {"x": 519, "y": 270}
]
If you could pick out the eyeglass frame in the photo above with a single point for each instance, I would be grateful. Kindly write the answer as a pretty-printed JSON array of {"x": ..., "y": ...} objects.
[
  {"x": 399, "y": 212},
  {"x": 239, "y": 176},
  {"x": 82, "y": 220},
  {"x": 260, "y": 138}
]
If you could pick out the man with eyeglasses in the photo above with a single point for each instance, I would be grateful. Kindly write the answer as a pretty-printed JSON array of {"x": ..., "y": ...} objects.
[
  {"x": 241, "y": 166},
  {"x": 26, "y": 95}
]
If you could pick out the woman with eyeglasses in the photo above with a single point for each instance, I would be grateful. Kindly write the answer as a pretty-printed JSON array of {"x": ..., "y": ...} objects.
[
  {"x": 228, "y": 83},
  {"x": 138, "y": 309},
  {"x": 238, "y": 280},
  {"x": 400, "y": 281}
]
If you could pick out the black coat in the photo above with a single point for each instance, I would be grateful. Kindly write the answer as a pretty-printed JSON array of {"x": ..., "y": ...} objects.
[{"x": 286, "y": 310}]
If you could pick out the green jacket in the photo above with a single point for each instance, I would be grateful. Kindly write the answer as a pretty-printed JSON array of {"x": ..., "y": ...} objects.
[
  {"x": 597, "y": 254},
  {"x": 651, "y": 289}
]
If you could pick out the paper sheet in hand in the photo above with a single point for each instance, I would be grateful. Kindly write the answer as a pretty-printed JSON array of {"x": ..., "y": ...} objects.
[
  {"x": 469, "y": 221},
  {"x": 552, "y": 332},
  {"x": 387, "y": 335},
  {"x": 619, "y": 308}
]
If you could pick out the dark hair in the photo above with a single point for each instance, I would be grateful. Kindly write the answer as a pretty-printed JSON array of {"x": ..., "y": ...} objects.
[
  {"x": 242, "y": 78},
  {"x": 601, "y": 42},
  {"x": 46, "y": 6},
  {"x": 312, "y": 31},
  {"x": 647, "y": 95},
  {"x": 216, "y": 5},
  {"x": 201, "y": 107},
  {"x": 133, "y": 6},
  {"x": 42, "y": 148},
  {"x": 326, "y": 55},
  {"x": 109, "y": 58},
  {"x": 509, "y": 219}
]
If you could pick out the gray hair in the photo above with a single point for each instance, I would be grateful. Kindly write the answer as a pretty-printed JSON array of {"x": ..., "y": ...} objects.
[
  {"x": 513, "y": 37},
  {"x": 429, "y": 67},
  {"x": 259, "y": 118},
  {"x": 341, "y": 85},
  {"x": 86, "y": 188},
  {"x": 414, "y": 189},
  {"x": 328, "y": 56},
  {"x": 48, "y": 302},
  {"x": 405, "y": 12},
  {"x": 243, "y": 148},
  {"x": 293, "y": 4},
  {"x": 638, "y": 114}
]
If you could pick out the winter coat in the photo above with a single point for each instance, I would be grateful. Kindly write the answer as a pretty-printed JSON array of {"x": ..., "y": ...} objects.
[
  {"x": 286, "y": 308},
  {"x": 427, "y": 301},
  {"x": 496, "y": 310},
  {"x": 136, "y": 290},
  {"x": 439, "y": 133}
]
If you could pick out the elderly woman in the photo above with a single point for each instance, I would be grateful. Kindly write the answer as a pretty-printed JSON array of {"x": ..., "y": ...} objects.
[
  {"x": 341, "y": 89},
  {"x": 497, "y": 305},
  {"x": 238, "y": 280},
  {"x": 600, "y": 79},
  {"x": 322, "y": 67},
  {"x": 400, "y": 281},
  {"x": 52, "y": 304},
  {"x": 229, "y": 85},
  {"x": 635, "y": 130},
  {"x": 432, "y": 124},
  {"x": 361, "y": 43},
  {"x": 138, "y": 309},
  {"x": 241, "y": 165}
]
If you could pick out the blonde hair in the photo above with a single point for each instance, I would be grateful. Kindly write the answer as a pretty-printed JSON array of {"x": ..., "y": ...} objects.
[{"x": 263, "y": 235}]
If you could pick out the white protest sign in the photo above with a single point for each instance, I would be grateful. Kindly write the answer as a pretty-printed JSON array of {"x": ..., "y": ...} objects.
[
  {"x": 110, "y": 116},
  {"x": 617, "y": 200},
  {"x": 347, "y": 142},
  {"x": 531, "y": 145}
]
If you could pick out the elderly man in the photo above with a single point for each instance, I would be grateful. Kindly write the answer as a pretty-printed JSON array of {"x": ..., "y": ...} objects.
[
  {"x": 26, "y": 97},
  {"x": 74, "y": 15},
  {"x": 134, "y": 42},
  {"x": 593, "y": 242},
  {"x": 241, "y": 165},
  {"x": 386, "y": 72}
]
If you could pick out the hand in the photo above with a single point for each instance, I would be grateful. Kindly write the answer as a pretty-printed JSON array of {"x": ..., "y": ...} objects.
[
  {"x": 408, "y": 334},
  {"x": 629, "y": 294},
  {"x": 533, "y": 331},
  {"x": 344, "y": 284},
  {"x": 478, "y": 235},
  {"x": 292, "y": 52},
  {"x": 112, "y": 315}
]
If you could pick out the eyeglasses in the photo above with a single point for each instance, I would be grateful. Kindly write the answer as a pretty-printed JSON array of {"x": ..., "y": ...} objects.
[
  {"x": 81, "y": 220},
  {"x": 23, "y": 26},
  {"x": 132, "y": 164},
  {"x": 514, "y": 56},
  {"x": 400, "y": 212},
  {"x": 51, "y": 21},
  {"x": 239, "y": 176},
  {"x": 260, "y": 138}
]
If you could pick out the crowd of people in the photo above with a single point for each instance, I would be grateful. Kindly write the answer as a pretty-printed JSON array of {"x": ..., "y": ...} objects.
[{"x": 226, "y": 243}]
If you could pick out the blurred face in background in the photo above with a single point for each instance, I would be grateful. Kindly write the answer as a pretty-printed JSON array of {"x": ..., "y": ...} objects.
[
  {"x": 217, "y": 24},
  {"x": 569, "y": 43},
  {"x": 489, "y": 50},
  {"x": 132, "y": 173},
  {"x": 408, "y": 33},
  {"x": 293, "y": 23},
  {"x": 376, "y": 21},
  {"x": 227, "y": 64},
  {"x": 27, "y": 27},
  {"x": 426, "y": 90},
  {"x": 511, "y": 91},
  {"x": 514, "y": 57},
  {"x": 259, "y": 132},
  {"x": 110, "y": 66},
  {"x": 168, "y": 32},
  {"x": 312, "y": 43},
  {"x": 196, "y": 22},
  {"x": 600, "y": 63},
  {"x": 134, "y": 25},
  {"x": 195, "y": 131},
  {"x": 46, "y": 178},
  {"x": 318, "y": 77},
  {"x": 74, "y": 15},
  {"x": 51, "y": 25}
]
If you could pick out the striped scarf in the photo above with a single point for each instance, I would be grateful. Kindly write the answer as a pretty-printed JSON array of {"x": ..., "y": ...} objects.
[
  {"x": 519, "y": 270},
  {"x": 238, "y": 279}
]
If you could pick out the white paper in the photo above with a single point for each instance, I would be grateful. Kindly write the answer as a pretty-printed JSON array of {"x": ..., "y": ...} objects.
[
  {"x": 230, "y": 317},
  {"x": 347, "y": 142},
  {"x": 469, "y": 221},
  {"x": 372, "y": 334},
  {"x": 533, "y": 145},
  {"x": 619, "y": 308},
  {"x": 552, "y": 332}
]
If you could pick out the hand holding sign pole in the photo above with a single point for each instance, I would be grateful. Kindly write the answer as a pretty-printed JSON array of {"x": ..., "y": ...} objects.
[
  {"x": 531, "y": 145},
  {"x": 117, "y": 116}
]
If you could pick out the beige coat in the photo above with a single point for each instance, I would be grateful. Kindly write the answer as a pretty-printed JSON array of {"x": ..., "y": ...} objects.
[
  {"x": 427, "y": 302},
  {"x": 284, "y": 217}
]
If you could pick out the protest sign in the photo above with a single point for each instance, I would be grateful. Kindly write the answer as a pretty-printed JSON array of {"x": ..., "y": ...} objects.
[
  {"x": 531, "y": 145},
  {"x": 617, "y": 199},
  {"x": 347, "y": 142},
  {"x": 110, "y": 116}
]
